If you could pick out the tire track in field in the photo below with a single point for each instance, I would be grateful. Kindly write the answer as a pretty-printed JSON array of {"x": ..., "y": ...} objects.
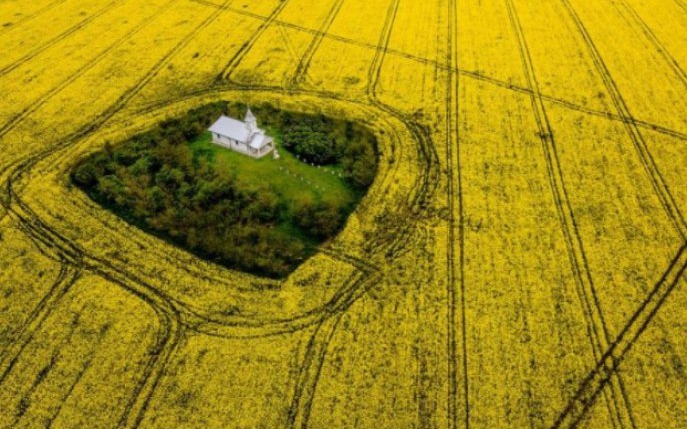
[
  {"x": 467, "y": 73},
  {"x": 609, "y": 364},
  {"x": 658, "y": 45},
  {"x": 169, "y": 319},
  {"x": 39, "y": 379},
  {"x": 310, "y": 371},
  {"x": 168, "y": 338},
  {"x": 682, "y": 4},
  {"x": 430, "y": 183},
  {"x": 235, "y": 60},
  {"x": 658, "y": 182},
  {"x": 24, "y": 19},
  {"x": 79, "y": 376},
  {"x": 302, "y": 69},
  {"x": 38, "y": 103},
  {"x": 354, "y": 288},
  {"x": 618, "y": 403},
  {"x": 428, "y": 180},
  {"x": 56, "y": 357},
  {"x": 81, "y": 24},
  {"x": 309, "y": 375},
  {"x": 168, "y": 316},
  {"x": 455, "y": 288},
  {"x": 67, "y": 276}
]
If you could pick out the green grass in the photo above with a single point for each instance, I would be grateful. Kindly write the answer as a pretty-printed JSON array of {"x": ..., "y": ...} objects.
[{"x": 289, "y": 177}]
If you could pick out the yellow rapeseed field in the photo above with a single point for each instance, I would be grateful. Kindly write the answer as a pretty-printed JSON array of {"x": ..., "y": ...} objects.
[{"x": 518, "y": 262}]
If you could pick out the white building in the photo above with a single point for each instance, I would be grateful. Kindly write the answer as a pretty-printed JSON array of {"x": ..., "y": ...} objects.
[{"x": 242, "y": 136}]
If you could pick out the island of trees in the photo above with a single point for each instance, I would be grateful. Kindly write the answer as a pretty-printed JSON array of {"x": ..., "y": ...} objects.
[{"x": 261, "y": 216}]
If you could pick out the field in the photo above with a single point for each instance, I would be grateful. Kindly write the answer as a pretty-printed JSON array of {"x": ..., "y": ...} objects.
[{"x": 519, "y": 261}]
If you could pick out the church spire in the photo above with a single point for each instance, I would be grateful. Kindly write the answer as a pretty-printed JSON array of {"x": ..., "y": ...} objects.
[{"x": 251, "y": 120}]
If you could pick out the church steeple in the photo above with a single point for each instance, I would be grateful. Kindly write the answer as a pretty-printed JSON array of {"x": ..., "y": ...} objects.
[{"x": 251, "y": 121}]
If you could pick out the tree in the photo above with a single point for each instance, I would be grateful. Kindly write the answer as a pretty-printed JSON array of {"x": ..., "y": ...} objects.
[
  {"x": 312, "y": 145},
  {"x": 318, "y": 219},
  {"x": 86, "y": 174}
]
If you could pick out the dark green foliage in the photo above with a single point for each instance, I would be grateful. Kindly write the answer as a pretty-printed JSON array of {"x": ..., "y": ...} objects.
[
  {"x": 157, "y": 182},
  {"x": 318, "y": 218},
  {"x": 359, "y": 157},
  {"x": 313, "y": 146},
  {"x": 322, "y": 141}
]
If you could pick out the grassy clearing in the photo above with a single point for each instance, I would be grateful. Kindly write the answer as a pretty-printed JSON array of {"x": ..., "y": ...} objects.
[{"x": 291, "y": 178}]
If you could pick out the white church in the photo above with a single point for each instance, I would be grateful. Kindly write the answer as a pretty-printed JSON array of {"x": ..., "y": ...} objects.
[{"x": 242, "y": 136}]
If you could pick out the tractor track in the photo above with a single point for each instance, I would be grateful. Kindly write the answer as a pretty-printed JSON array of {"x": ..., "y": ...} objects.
[
  {"x": 62, "y": 36},
  {"x": 39, "y": 379},
  {"x": 235, "y": 60},
  {"x": 658, "y": 45},
  {"x": 609, "y": 364},
  {"x": 168, "y": 316},
  {"x": 38, "y": 103},
  {"x": 67, "y": 276},
  {"x": 618, "y": 404},
  {"x": 79, "y": 376},
  {"x": 304, "y": 64},
  {"x": 455, "y": 287},
  {"x": 467, "y": 73},
  {"x": 644, "y": 154},
  {"x": 430, "y": 181},
  {"x": 681, "y": 4},
  {"x": 166, "y": 313},
  {"x": 429, "y": 176},
  {"x": 309, "y": 375},
  {"x": 36, "y": 14}
]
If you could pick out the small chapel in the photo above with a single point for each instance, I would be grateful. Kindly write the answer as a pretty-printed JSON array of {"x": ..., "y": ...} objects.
[{"x": 242, "y": 136}]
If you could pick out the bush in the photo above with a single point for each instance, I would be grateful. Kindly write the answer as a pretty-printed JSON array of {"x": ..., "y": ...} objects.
[
  {"x": 313, "y": 146},
  {"x": 319, "y": 219}
]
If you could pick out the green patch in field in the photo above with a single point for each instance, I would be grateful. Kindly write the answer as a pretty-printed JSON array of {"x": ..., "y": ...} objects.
[{"x": 264, "y": 216}]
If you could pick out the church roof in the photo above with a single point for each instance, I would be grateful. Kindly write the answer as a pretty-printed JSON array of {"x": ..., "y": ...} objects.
[
  {"x": 259, "y": 140},
  {"x": 232, "y": 128}
]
